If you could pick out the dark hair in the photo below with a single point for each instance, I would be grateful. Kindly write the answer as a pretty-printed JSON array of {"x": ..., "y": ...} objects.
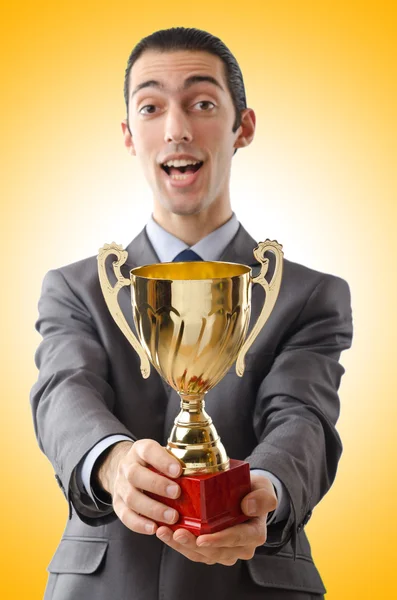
[{"x": 182, "y": 38}]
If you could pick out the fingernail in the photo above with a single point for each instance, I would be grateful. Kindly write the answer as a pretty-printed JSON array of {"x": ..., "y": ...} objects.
[
  {"x": 251, "y": 506},
  {"x": 173, "y": 469},
  {"x": 165, "y": 537},
  {"x": 169, "y": 515},
  {"x": 182, "y": 540},
  {"x": 172, "y": 490},
  {"x": 149, "y": 528},
  {"x": 203, "y": 545}
]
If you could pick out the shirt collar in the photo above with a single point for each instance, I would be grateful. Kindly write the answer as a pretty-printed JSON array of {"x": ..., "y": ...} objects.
[{"x": 211, "y": 247}]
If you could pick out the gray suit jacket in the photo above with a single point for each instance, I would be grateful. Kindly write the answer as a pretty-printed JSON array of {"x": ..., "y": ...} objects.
[{"x": 280, "y": 417}]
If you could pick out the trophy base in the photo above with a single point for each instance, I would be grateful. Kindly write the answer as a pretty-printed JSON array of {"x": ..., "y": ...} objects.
[{"x": 210, "y": 502}]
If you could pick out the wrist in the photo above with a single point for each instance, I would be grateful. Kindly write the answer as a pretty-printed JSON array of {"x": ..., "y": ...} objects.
[{"x": 105, "y": 469}]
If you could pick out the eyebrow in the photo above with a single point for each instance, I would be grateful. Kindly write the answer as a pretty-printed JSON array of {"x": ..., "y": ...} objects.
[{"x": 189, "y": 82}]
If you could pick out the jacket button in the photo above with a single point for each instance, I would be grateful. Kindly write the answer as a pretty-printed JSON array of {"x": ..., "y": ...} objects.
[{"x": 305, "y": 520}]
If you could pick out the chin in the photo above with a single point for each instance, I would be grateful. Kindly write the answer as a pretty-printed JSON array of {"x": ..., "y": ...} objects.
[
  {"x": 184, "y": 208},
  {"x": 186, "y": 211}
]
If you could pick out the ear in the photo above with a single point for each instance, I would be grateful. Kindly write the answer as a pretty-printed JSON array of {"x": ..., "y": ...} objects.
[
  {"x": 128, "y": 140},
  {"x": 246, "y": 130}
]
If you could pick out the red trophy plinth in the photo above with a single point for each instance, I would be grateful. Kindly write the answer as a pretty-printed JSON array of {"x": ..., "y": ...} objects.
[{"x": 210, "y": 503}]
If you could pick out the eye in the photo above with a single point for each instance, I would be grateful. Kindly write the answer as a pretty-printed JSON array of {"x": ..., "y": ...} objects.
[
  {"x": 148, "y": 109},
  {"x": 205, "y": 105}
]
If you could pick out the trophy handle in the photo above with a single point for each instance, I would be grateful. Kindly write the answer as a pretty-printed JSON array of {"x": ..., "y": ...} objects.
[
  {"x": 110, "y": 294},
  {"x": 272, "y": 289}
]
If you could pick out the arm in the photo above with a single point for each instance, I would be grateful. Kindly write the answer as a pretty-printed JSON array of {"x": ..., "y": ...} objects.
[
  {"x": 72, "y": 400},
  {"x": 297, "y": 406}
]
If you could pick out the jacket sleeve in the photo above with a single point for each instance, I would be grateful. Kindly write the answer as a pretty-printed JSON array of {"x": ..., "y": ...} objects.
[
  {"x": 72, "y": 401},
  {"x": 297, "y": 406}
]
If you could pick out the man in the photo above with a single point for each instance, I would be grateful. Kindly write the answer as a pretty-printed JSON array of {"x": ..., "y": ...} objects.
[{"x": 102, "y": 425}]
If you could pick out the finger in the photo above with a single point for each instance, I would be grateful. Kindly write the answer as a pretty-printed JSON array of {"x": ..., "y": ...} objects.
[
  {"x": 150, "y": 452},
  {"x": 185, "y": 537},
  {"x": 130, "y": 519},
  {"x": 261, "y": 500},
  {"x": 165, "y": 535},
  {"x": 251, "y": 533},
  {"x": 144, "y": 505},
  {"x": 259, "y": 482},
  {"x": 224, "y": 556},
  {"x": 144, "y": 479}
]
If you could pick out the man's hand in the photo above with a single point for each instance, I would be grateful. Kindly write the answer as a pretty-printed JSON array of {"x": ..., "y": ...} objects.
[
  {"x": 125, "y": 475},
  {"x": 238, "y": 542}
]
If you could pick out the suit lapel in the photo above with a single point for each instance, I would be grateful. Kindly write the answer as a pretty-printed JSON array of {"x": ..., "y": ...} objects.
[
  {"x": 240, "y": 249},
  {"x": 141, "y": 252}
]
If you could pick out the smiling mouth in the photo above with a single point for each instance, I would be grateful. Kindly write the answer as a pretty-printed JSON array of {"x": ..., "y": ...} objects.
[{"x": 177, "y": 172}]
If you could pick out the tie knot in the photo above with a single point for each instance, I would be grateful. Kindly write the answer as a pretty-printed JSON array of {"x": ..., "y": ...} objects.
[{"x": 187, "y": 255}]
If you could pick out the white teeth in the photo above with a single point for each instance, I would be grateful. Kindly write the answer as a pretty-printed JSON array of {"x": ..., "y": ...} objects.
[
  {"x": 180, "y": 177},
  {"x": 181, "y": 163}
]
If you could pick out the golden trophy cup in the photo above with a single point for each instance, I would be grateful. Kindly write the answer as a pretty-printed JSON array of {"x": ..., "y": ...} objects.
[{"x": 191, "y": 320}]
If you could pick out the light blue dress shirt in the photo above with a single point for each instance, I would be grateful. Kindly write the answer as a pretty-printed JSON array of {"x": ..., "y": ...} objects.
[{"x": 167, "y": 247}]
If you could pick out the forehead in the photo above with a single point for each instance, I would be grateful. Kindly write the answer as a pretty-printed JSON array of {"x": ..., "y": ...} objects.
[{"x": 171, "y": 68}]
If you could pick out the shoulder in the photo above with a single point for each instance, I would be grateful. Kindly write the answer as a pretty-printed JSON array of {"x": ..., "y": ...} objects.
[
  {"x": 83, "y": 273},
  {"x": 298, "y": 280},
  {"x": 307, "y": 280},
  {"x": 83, "y": 270},
  {"x": 76, "y": 284},
  {"x": 314, "y": 291}
]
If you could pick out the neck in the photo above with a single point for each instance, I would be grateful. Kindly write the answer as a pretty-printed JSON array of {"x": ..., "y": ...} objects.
[{"x": 192, "y": 228}]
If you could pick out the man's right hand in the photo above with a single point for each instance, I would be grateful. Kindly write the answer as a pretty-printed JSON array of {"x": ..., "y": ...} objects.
[{"x": 124, "y": 473}]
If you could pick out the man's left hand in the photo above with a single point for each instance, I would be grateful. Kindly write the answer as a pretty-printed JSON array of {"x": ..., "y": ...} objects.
[{"x": 228, "y": 546}]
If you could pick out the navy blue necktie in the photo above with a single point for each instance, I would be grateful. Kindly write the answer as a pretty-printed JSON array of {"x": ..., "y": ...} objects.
[{"x": 187, "y": 255}]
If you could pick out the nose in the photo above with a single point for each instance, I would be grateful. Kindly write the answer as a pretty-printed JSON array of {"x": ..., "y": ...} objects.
[{"x": 177, "y": 126}]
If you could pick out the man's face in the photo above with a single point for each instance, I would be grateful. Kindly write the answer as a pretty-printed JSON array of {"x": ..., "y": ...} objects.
[{"x": 181, "y": 116}]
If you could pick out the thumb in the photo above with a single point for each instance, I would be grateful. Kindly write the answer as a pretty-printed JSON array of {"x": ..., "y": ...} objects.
[{"x": 261, "y": 500}]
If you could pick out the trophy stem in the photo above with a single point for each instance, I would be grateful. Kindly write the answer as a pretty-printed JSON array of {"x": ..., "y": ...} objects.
[{"x": 194, "y": 440}]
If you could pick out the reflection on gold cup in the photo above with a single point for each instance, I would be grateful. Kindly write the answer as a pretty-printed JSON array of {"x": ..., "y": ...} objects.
[{"x": 192, "y": 320}]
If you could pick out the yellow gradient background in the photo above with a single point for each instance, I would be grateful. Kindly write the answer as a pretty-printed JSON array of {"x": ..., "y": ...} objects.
[{"x": 319, "y": 177}]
